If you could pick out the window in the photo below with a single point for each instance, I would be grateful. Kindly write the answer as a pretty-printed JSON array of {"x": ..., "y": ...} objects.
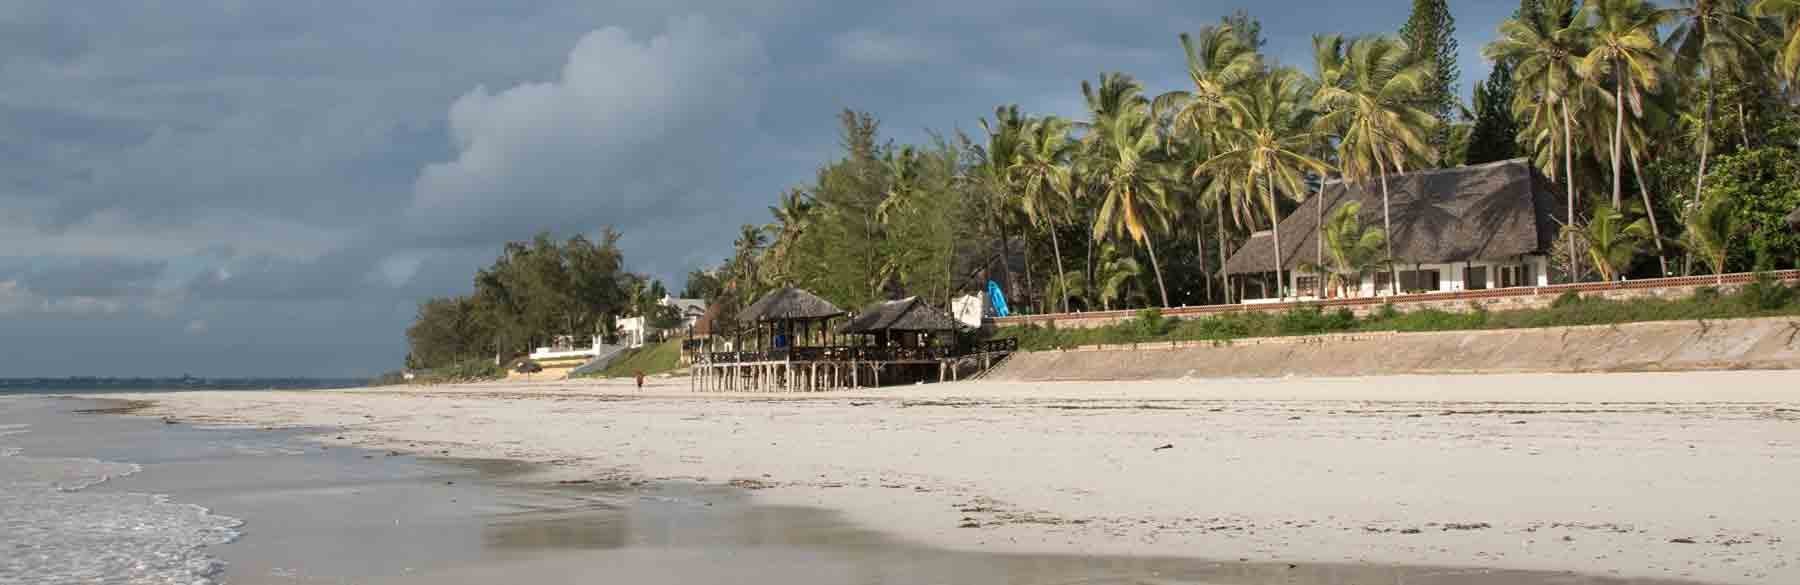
[
  {"x": 1475, "y": 277},
  {"x": 1307, "y": 285},
  {"x": 1418, "y": 280},
  {"x": 1515, "y": 275},
  {"x": 1382, "y": 280}
]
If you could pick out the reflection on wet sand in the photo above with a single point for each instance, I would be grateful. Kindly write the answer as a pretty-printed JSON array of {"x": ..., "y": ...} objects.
[{"x": 706, "y": 534}]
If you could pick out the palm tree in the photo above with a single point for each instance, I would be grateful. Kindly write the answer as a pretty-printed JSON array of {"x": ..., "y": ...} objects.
[
  {"x": 1353, "y": 250},
  {"x": 1267, "y": 142},
  {"x": 1369, "y": 99},
  {"x": 903, "y": 182},
  {"x": 1132, "y": 182},
  {"x": 1041, "y": 171},
  {"x": 1612, "y": 242},
  {"x": 1219, "y": 61},
  {"x": 793, "y": 215},
  {"x": 1719, "y": 36},
  {"x": 1710, "y": 224},
  {"x": 1116, "y": 276},
  {"x": 1544, "y": 46},
  {"x": 993, "y": 164},
  {"x": 1625, "y": 51},
  {"x": 1787, "y": 52}
]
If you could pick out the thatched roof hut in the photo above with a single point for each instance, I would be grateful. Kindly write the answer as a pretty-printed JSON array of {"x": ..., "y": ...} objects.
[
  {"x": 788, "y": 304},
  {"x": 1488, "y": 211},
  {"x": 905, "y": 315}
]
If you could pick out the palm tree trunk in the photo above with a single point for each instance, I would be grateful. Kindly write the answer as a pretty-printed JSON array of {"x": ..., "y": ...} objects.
[
  {"x": 1200, "y": 254},
  {"x": 1569, "y": 171},
  {"x": 1154, "y": 267},
  {"x": 1618, "y": 138},
  {"x": 1090, "y": 262},
  {"x": 1743, "y": 124},
  {"x": 1006, "y": 261},
  {"x": 1275, "y": 226},
  {"x": 1662, "y": 260},
  {"x": 1687, "y": 262},
  {"x": 1219, "y": 210},
  {"x": 1319, "y": 238},
  {"x": 1387, "y": 227},
  {"x": 1030, "y": 283},
  {"x": 1062, "y": 280}
]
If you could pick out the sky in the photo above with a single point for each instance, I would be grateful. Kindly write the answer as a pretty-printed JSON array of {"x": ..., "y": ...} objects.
[{"x": 260, "y": 187}]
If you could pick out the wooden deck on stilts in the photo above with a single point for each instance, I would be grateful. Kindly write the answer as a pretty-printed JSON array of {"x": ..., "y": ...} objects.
[{"x": 756, "y": 372}]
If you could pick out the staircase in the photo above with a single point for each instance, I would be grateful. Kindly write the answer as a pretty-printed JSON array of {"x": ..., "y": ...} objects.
[{"x": 999, "y": 363}]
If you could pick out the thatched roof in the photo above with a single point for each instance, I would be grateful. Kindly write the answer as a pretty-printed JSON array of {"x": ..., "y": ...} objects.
[
  {"x": 788, "y": 304},
  {"x": 1793, "y": 219},
  {"x": 908, "y": 314},
  {"x": 1487, "y": 211}
]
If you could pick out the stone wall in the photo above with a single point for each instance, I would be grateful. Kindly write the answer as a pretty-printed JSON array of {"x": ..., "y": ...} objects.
[{"x": 1767, "y": 343}]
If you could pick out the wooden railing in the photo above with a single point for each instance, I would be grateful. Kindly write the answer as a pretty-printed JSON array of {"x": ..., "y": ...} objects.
[
  {"x": 1401, "y": 300},
  {"x": 849, "y": 353}
]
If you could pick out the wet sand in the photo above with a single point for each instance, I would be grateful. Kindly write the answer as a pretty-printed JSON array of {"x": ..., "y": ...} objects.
[
  {"x": 1667, "y": 476},
  {"x": 316, "y": 514}
]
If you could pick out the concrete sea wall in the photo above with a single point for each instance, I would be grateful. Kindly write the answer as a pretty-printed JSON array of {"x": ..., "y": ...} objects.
[{"x": 1769, "y": 343}]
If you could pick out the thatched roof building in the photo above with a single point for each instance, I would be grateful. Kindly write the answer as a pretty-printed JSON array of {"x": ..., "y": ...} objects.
[
  {"x": 788, "y": 304},
  {"x": 709, "y": 323},
  {"x": 905, "y": 315},
  {"x": 1490, "y": 211}
]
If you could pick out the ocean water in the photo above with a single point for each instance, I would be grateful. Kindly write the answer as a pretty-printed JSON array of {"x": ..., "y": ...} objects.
[{"x": 54, "y": 528}]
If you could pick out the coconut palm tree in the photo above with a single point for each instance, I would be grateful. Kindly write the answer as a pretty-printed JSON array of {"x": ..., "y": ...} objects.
[
  {"x": 1267, "y": 141},
  {"x": 992, "y": 169},
  {"x": 1713, "y": 38},
  {"x": 1352, "y": 250},
  {"x": 1787, "y": 51},
  {"x": 1710, "y": 224},
  {"x": 1369, "y": 98},
  {"x": 1132, "y": 183},
  {"x": 793, "y": 214},
  {"x": 1116, "y": 276},
  {"x": 1545, "y": 47},
  {"x": 1046, "y": 185},
  {"x": 1219, "y": 61},
  {"x": 1612, "y": 241},
  {"x": 1625, "y": 54}
]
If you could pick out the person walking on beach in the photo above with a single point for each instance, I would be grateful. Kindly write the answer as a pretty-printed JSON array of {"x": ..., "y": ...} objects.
[{"x": 640, "y": 379}]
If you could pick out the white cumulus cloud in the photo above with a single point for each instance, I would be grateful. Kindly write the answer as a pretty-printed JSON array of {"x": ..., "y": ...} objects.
[{"x": 635, "y": 132}]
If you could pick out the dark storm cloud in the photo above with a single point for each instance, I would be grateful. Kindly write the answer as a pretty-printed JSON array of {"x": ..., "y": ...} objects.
[
  {"x": 93, "y": 277},
  {"x": 279, "y": 183}
]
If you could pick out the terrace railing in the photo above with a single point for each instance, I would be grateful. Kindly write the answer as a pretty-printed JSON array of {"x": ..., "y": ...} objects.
[{"x": 848, "y": 353}]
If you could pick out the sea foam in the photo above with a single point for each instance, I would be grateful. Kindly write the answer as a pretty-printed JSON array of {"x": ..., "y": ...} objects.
[{"x": 55, "y": 531}]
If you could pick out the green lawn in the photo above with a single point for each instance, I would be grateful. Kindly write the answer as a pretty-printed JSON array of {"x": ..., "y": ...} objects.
[
  {"x": 651, "y": 359},
  {"x": 1760, "y": 299}
]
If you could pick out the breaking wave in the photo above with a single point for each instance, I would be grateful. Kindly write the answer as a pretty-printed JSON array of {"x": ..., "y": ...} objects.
[{"x": 54, "y": 531}]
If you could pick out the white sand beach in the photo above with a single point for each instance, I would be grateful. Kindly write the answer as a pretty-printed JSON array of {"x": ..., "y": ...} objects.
[{"x": 1672, "y": 475}]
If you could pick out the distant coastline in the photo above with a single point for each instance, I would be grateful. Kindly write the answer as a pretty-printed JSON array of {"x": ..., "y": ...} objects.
[{"x": 93, "y": 384}]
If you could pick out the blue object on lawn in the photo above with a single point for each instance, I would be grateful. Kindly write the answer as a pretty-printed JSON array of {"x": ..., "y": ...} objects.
[{"x": 999, "y": 299}]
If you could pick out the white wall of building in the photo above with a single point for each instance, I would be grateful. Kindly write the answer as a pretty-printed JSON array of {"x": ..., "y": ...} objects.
[{"x": 1452, "y": 277}]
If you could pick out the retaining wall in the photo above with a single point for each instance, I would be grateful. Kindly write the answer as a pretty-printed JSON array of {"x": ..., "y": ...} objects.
[{"x": 1767, "y": 343}]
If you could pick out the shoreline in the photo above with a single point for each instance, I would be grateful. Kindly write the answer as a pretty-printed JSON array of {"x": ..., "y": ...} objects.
[{"x": 1634, "y": 475}]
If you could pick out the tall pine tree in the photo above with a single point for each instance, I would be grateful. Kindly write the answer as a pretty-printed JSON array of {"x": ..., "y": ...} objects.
[
  {"x": 1431, "y": 32},
  {"x": 1495, "y": 137}
]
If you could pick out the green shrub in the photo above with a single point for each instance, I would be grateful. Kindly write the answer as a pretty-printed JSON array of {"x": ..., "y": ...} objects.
[
  {"x": 1567, "y": 299},
  {"x": 1764, "y": 294}
]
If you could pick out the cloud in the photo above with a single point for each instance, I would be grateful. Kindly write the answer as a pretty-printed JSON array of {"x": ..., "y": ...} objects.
[
  {"x": 637, "y": 133},
  {"x": 869, "y": 47}
]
